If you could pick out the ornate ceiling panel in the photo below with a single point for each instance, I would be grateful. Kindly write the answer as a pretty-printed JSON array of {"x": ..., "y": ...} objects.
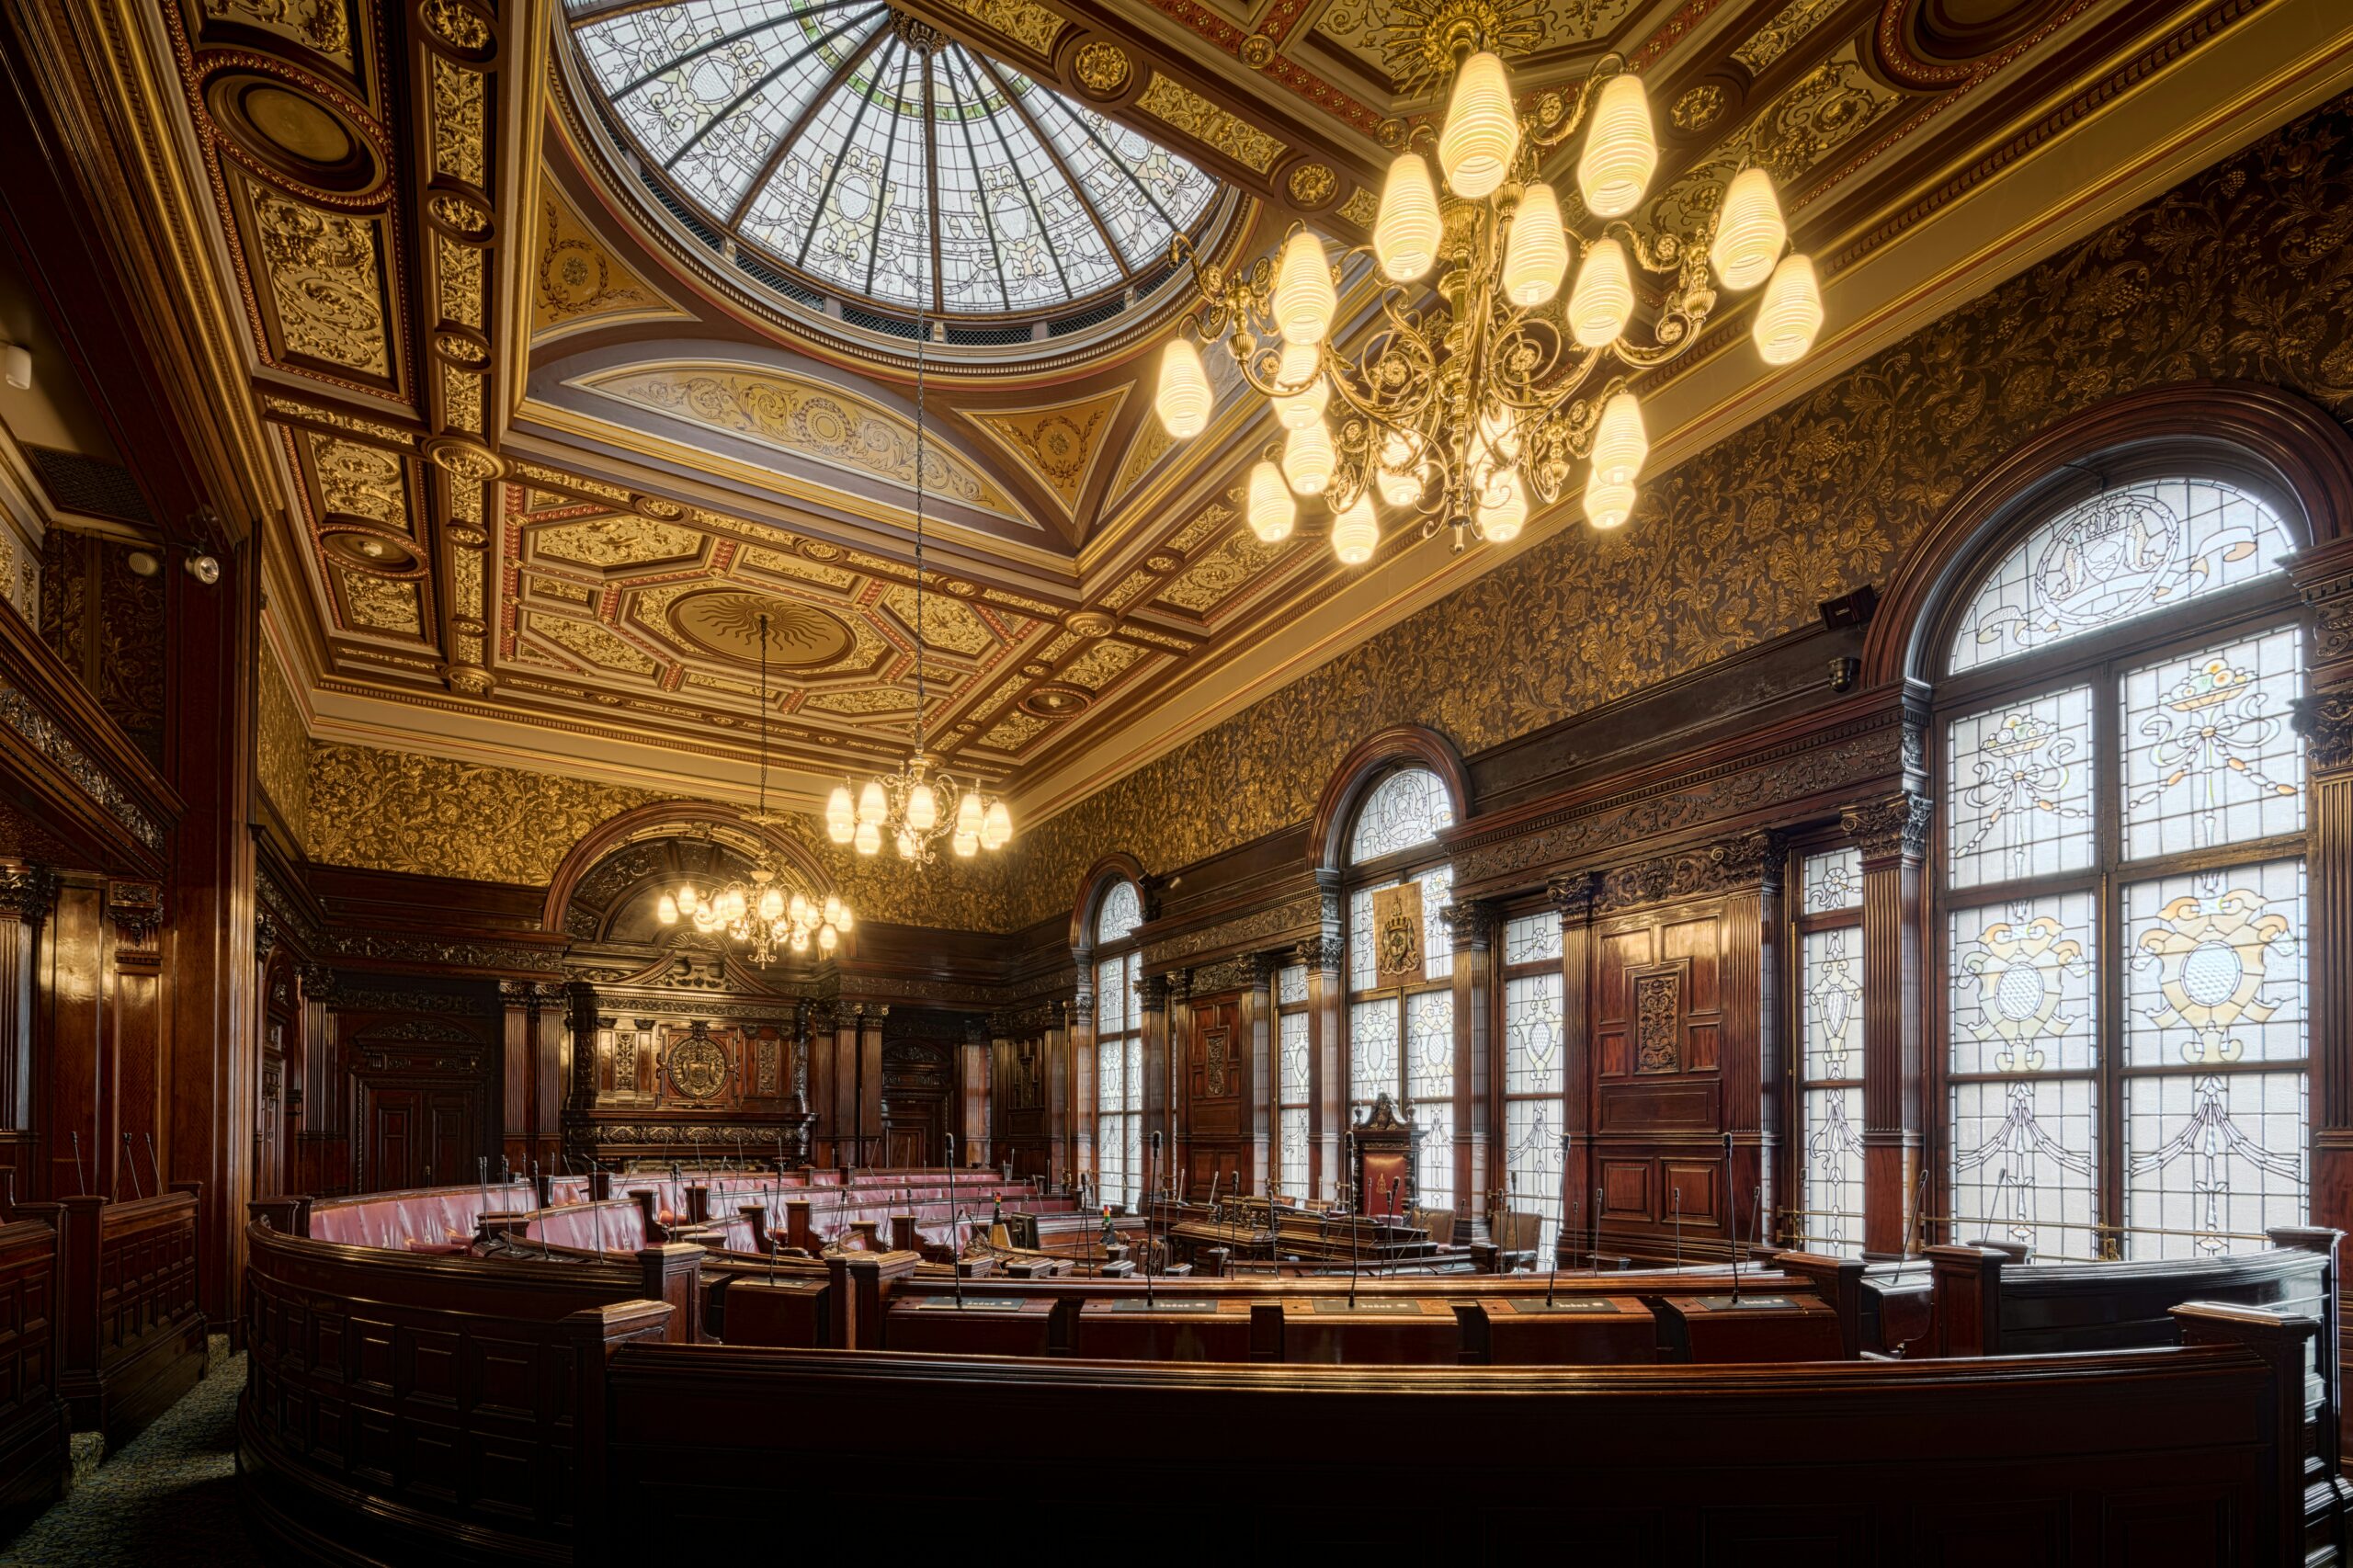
[{"x": 552, "y": 448}]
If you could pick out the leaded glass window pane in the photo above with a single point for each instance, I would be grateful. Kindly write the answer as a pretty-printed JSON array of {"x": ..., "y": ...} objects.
[
  {"x": 1110, "y": 1077},
  {"x": 1295, "y": 1153},
  {"x": 1293, "y": 1056},
  {"x": 1532, "y": 939},
  {"x": 1532, "y": 1163},
  {"x": 1373, "y": 1050},
  {"x": 2212, "y": 1161},
  {"x": 2024, "y": 1164},
  {"x": 1405, "y": 809},
  {"x": 1832, "y": 1172},
  {"x": 1134, "y": 1076},
  {"x": 1831, "y": 881},
  {"x": 1290, "y": 984},
  {"x": 1532, "y": 1034},
  {"x": 2127, "y": 552},
  {"x": 1437, "y": 941},
  {"x": 1430, "y": 1044},
  {"x": 1830, "y": 979},
  {"x": 1122, "y": 912},
  {"x": 2215, "y": 975},
  {"x": 1364, "y": 970},
  {"x": 1434, "y": 1170},
  {"x": 2209, "y": 756},
  {"x": 1133, "y": 1186},
  {"x": 2022, "y": 987},
  {"x": 2018, "y": 779},
  {"x": 1110, "y": 997}
]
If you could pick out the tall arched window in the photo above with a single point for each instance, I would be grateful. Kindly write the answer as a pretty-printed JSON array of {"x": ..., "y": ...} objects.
[
  {"x": 1401, "y": 1017},
  {"x": 2121, "y": 881},
  {"x": 1118, "y": 1045}
]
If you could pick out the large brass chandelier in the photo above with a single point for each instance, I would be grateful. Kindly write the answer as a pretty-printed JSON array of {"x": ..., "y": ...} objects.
[
  {"x": 760, "y": 914},
  {"x": 1469, "y": 397},
  {"x": 904, "y": 805}
]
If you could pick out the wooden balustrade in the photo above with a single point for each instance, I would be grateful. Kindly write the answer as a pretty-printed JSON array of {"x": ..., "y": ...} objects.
[
  {"x": 33, "y": 1459},
  {"x": 131, "y": 1330}
]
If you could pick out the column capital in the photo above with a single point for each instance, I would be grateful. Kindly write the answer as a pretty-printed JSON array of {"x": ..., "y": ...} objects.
[
  {"x": 1153, "y": 993},
  {"x": 2325, "y": 721},
  {"x": 1753, "y": 859},
  {"x": 28, "y": 891},
  {"x": 1894, "y": 826},
  {"x": 1470, "y": 926},
  {"x": 1326, "y": 954},
  {"x": 1573, "y": 896}
]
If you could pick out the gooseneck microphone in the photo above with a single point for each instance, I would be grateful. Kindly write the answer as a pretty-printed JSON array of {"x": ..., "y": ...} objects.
[{"x": 955, "y": 1253}]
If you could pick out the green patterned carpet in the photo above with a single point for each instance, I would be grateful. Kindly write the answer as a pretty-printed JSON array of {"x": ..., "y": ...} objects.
[{"x": 169, "y": 1498}]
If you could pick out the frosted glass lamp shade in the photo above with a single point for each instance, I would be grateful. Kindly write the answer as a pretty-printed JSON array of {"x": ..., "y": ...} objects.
[
  {"x": 967, "y": 814},
  {"x": 1270, "y": 509},
  {"x": 1619, "y": 151},
  {"x": 1301, "y": 367},
  {"x": 1790, "y": 313},
  {"x": 1606, "y": 505},
  {"x": 1604, "y": 296},
  {"x": 841, "y": 817},
  {"x": 1307, "y": 458},
  {"x": 1503, "y": 509},
  {"x": 996, "y": 827},
  {"x": 1621, "y": 444},
  {"x": 923, "y": 809},
  {"x": 872, "y": 805},
  {"x": 1482, "y": 134},
  {"x": 868, "y": 838},
  {"x": 666, "y": 911},
  {"x": 1749, "y": 231},
  {"x": 1304, "y": 299},
  {"x": 1184, "y": 400},
  {"x": 1406, "y": 235},
  {"x": 1355, "y": 533},
  {"x": 1537, "y": 256}
]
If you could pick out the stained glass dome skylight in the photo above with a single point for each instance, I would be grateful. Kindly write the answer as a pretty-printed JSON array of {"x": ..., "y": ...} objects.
[{"x": 858, "y": 150}]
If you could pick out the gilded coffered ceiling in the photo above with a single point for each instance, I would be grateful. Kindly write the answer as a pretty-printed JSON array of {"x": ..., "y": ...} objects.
[{"x": 551, "y": 448}]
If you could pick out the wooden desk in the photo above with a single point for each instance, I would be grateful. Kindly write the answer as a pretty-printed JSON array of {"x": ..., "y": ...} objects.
[
  {"x": 1759, "y": 1327},
  {"x": 783, "y": 1311},
  {"x": 1175, "y": 1329},
  {"x": 983, "y": 1325},
  {"x": 1376, "y": 1331},
  {"x": 1586, "y": 1331}
]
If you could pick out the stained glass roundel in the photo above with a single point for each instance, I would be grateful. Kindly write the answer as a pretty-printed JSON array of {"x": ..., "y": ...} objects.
[{"x": 881, "y": 163}]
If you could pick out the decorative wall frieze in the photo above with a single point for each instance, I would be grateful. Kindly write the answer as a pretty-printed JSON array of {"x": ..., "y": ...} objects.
[
  {"x": 1256, "y": 928},
  {"x": 346, "y": 998},
  {"x": 1749, "y": 782},
  {"x": 1239, "y": 973},
  {"x": 439, "y": 954},
  {"x": 1895, "y": 826},
  {"x": 1751, "y": 860},
  {"x": 1021, "y": 1023},
  {"x": 50, "y": 739}
]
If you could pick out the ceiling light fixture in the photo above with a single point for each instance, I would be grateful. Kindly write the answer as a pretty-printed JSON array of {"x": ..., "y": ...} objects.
[
  {"x": 905, "y": 805},
  {"x": 760, "y": 914},
  {"x": 1470, "y": 401}
]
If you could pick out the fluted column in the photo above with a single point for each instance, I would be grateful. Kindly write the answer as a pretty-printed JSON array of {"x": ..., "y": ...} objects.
[
  {"x": 1478, "y": 1181},
  {"x": 1752, "y": 1063},
  {"x": 1572, "y": 896},
  {"x": 1893, "y": 834}
]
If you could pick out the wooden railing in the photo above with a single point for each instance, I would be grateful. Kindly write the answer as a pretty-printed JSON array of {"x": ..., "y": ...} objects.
[{"x": 131, "y": 1331}]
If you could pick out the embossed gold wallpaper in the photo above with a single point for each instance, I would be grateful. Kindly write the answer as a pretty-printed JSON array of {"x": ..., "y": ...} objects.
[
  {"x": 282, "y": 749},
  {"x": 2244, "y": 271}
]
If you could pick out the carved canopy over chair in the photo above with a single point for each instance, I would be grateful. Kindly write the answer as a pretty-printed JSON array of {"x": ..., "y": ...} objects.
[{"x": 1388, "y": 1148}]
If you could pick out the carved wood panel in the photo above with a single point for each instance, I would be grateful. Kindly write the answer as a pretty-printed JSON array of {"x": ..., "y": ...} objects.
[{"x": 1658, "y": 1094}]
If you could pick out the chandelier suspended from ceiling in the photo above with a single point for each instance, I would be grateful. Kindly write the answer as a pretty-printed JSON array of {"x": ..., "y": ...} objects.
[
  {"x": 760, "y": 914},
  {"x": 1459, "y": 409},
  {"x": 904, "y": 805}
]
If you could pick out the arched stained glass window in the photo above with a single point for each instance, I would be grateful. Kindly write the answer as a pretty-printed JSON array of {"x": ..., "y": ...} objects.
[
  {"x": 2121, "y": 882},
  {"x": 1400, "y": 997},
  {"x": 1118, "y": 1045},
  {"x": 2134, "y": 551}
]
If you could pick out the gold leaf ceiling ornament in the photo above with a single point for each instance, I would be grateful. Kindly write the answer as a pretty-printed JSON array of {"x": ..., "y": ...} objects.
[
  {"x": 806, "y": 419},
  {"x": 1026, "y": 22},
  {"x": 1059, "y": 443},
  {"x": 611, "y": 542},
  {"x": 326, "y": 283},
  {"x": 1165, "y": 99},
  {"x": 578, "y": 282},
  {"x": 381, "y": 604},
  {"x": 360, "y": 482},
  {"x": 322, "y": 26}
]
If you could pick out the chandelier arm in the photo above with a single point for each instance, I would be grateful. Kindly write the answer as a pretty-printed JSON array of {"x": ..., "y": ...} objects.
[
  {"x": 1661, "y": 253},
  {"x": 1541, "y": 134}
]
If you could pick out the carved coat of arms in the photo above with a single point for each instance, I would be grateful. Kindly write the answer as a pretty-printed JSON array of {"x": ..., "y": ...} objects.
[
  {"x": 1217, "y": 1062},
  {"x": 698, "y": 1066},
  {"x": 1397, "y": 934}
]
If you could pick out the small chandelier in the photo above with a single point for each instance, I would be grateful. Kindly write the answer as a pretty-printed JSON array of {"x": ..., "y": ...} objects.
[
  {"x": 905, "y": 804},
  {"x": 760, "y": 914},
  {"x": 1459, "y": 409}
]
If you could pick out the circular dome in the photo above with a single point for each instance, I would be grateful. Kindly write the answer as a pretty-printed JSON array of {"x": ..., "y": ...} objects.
[{"x": 862, "y": 154}]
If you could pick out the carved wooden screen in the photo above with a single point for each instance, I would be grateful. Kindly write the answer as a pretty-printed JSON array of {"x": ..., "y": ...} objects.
[
  {"x": 1217, "y": 1097},
  {"x": 2122, "y": 882},
  {"x": 1658, "y": 1014},
  {"x": 1828, "y": 1134},
  {"x": 1118, "y": 1047},
  {"x": 1401, "y": 1025}
]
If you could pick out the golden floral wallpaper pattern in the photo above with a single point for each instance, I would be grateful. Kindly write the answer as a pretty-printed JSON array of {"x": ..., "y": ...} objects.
[
  {"x": 2244, "y": 271},
  {"x": 282, "y": 749}
]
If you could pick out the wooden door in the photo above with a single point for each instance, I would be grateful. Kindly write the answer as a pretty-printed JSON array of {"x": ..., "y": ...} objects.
[{"x": 418, "y": 1136}]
